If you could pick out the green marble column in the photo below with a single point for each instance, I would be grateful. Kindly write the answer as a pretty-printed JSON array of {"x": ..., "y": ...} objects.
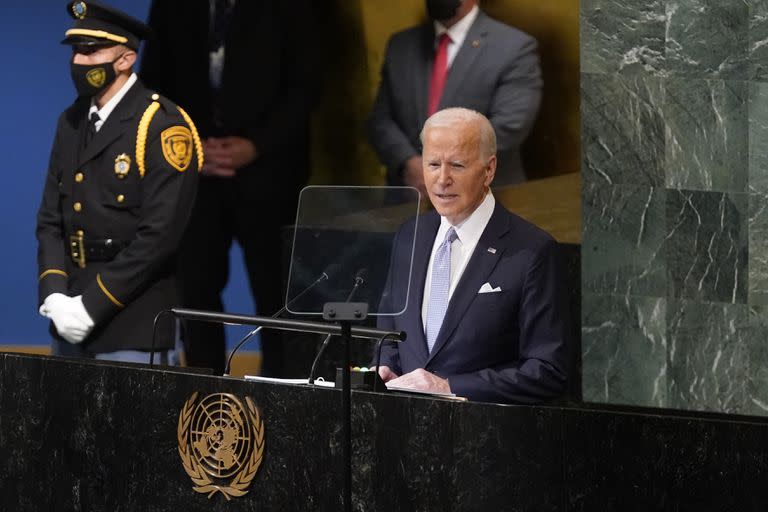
[{"x": 675, "y": 171}]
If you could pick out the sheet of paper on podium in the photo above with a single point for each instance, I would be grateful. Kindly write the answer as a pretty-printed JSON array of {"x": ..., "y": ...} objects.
[
  {"x": 439, "y": 394},
  {"x": 318, "y": 382}
]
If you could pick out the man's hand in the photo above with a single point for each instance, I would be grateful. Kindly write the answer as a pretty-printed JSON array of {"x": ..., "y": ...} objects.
[
  {"x": 69, "y": 316},
  {"x": 422, "y": 380},
  {"x": 225, "y": 155},
  {"x": 386, "y": 373},
  {"x": 413, "y": 174}
]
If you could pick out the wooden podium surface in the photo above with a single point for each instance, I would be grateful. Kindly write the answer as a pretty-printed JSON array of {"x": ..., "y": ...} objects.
[{"x": 553, "y": 204}]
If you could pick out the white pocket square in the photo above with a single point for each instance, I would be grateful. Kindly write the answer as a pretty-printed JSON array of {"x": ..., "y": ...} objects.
[{"x": 487, "y": 288}]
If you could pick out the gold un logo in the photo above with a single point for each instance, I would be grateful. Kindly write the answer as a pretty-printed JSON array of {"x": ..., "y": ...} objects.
[{"x": 221, "y": 443}]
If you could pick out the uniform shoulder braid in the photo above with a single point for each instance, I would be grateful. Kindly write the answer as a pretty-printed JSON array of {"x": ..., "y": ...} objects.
[{"x": 178, "y": 140}]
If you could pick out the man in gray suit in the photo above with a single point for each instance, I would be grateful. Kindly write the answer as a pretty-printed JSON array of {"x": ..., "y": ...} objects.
[{"x": 463, "y": 58}]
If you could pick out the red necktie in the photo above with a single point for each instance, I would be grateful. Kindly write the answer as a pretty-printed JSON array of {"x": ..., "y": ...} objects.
[{"x": 439, "y": 73}]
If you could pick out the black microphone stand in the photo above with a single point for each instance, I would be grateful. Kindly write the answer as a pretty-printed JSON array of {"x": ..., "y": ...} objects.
[
  {"x": 323, "y": 277},
  {"x": 359, "y": 281},
  {"x": 326, "y": 275},
  {"x": 345, "y": 313}
]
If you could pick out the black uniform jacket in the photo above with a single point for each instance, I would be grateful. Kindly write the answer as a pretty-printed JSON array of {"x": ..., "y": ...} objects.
[{"x": 145, "y": 216}]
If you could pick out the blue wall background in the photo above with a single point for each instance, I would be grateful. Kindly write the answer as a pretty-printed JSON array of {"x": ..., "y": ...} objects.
[{"x": 35, "y": 88}]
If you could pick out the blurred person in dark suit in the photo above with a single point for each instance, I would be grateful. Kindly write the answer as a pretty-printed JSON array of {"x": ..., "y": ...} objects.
[
  {"x": 243, "y": 70},
  {"x": 461, "y": 58}
]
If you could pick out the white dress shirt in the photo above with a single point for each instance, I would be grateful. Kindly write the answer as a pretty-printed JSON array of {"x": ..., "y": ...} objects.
[
  {"x": 216, "y": 56},
  {"x": 468, "y": 233},
  {"x": 458, "y": 32},
  {"x": 112, "y": 103}
]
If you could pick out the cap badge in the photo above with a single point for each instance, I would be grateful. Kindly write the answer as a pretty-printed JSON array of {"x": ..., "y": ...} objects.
[
  {"x": 79, "y": 9},
  {"x": 122, "y": 165}
]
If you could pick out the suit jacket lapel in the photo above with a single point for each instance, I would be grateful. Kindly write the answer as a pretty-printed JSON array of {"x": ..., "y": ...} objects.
[
  {"x": 470, "y": 49},
  {"x": 423, "y": 70},
  {"x": 427, "y": 229},
  {"x": 480, "y": 265},
  {"x": 112, "y": 127}
]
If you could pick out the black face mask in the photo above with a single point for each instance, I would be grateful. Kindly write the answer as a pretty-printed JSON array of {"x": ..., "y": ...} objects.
[
  {"x": 91, "y": 79},
  {"x": 442, "y": 9}
]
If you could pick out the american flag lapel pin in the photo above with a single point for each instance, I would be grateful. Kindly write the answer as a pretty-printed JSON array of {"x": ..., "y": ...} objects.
[{"x": 492, "y": 250}]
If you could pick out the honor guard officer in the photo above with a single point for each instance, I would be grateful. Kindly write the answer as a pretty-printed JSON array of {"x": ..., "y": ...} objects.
[{"x": 121, "y": 183}]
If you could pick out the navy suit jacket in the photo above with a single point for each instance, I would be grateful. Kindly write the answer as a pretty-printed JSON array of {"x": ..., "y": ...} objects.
[{"x": 507, "y": 346}]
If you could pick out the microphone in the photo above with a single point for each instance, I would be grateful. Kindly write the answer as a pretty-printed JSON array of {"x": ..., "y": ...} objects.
[
  {"x": 330, "y": 271},
  {"x": 360, "y": 276}
]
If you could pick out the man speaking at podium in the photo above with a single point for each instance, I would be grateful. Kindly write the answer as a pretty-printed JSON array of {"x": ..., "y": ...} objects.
[{"x": 486, "y": 316}]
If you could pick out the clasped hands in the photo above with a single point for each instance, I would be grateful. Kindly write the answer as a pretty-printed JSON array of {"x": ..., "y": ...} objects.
[
  {"x": 225, "y": 155},
  {"x": 419, "y": 379},
  {"x": 69, "y": 316}
]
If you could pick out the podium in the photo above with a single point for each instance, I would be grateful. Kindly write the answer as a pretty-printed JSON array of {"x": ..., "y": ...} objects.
[{"x": 82, "y": 435}]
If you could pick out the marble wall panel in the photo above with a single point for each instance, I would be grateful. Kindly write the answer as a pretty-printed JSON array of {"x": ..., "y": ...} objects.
[
  {"x": 624, "y": 231},
  {"x": 757, "y": 50},
  {"x": 758, "y": 249},
  {"x": 758, "y": 137},
  {"x": 706, "y": 134},
  {"x": 707, "y": 38},
  {"x": 709, "y": 356},
  {"x": 757, "y": 356},
  {"x": 706, "y": 246},
  {"x": 622, "y": 130},
  {"x": 621, "y": 36},
  {"x": 624, "y": 350}
]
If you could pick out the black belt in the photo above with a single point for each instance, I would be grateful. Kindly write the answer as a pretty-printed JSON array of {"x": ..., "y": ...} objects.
[{"x": 83, "y": 250}]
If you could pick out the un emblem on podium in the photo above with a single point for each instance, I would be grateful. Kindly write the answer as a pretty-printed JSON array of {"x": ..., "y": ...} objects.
[{"x": 221, "y": 443}]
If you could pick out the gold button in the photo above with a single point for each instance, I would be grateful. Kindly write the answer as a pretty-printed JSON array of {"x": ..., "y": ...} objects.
[
  {"x": 77, "y": 207},
  {"x": 120, "y": 198},
  {"x": 155, "y": 96},
  {"x": 80, "y": 232},
  {"x": 79, "y": 177}
]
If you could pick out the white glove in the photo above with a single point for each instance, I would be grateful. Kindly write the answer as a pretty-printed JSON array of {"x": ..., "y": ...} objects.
[{"x": 68, "y": 314}]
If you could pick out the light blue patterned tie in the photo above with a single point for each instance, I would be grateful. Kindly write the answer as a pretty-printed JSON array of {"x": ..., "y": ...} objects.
[{"x": 441, "y": 284}]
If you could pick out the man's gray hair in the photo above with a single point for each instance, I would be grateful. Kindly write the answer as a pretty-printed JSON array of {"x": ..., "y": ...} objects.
[{"x": 450, "y": 116}]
